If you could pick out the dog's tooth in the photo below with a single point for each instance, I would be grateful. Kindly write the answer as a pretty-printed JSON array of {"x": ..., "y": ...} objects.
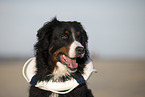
[{"x": 64, "y": 57}]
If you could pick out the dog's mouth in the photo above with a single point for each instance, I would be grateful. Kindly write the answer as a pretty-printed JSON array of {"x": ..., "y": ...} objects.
[{"x": 69, "y": 62}]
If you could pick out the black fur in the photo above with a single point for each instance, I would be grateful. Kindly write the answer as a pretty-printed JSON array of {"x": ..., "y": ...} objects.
[{"x": 51, "y": 37}]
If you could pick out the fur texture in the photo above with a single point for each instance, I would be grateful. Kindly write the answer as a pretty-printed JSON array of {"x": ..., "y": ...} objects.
[{"x": 61, "y": 51}]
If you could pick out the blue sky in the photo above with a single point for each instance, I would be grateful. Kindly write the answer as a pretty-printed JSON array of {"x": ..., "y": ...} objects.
[{"x": 116, "y": 28}]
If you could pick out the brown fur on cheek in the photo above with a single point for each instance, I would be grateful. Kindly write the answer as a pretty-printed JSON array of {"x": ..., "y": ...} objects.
[{"x": 63, "y": 50}]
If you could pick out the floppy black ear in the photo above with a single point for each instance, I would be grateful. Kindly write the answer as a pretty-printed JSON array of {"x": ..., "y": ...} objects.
[
  {"x": 41, "y": 49},
  {"x": 44, "y": 34},
  {"x": 47, "y": 29}
]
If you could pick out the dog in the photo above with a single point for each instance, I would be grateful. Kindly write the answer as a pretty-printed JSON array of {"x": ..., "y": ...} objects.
[{"x": 61, "y": 55}]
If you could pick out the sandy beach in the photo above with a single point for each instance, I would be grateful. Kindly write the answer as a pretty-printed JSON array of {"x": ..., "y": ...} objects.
[{"x": 115, "y": 78}]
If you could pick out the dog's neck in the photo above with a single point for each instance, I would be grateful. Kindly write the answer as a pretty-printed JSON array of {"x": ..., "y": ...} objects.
[
  {"x": 60, "y": 71},
  {"x": 29, "y": 72}
]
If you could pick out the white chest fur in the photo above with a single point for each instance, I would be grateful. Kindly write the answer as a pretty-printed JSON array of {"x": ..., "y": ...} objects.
[{"x": 60, "y": 70}]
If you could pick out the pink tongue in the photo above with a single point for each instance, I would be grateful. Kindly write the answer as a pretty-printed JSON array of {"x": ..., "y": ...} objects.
[{"x": 71, "y": 63}]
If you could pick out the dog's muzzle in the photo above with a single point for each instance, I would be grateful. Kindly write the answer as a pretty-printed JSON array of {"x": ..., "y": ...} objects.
[
  {"x": 80, "y": 51},
  {"x": 76, "y": 50}
]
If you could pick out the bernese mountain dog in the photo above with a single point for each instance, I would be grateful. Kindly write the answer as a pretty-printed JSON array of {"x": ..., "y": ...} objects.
[{"x": 61, "y": 53}]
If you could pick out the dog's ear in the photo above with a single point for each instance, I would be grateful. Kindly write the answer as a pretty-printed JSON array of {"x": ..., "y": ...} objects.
[
  {"x": 47, "y": 29},
  {"x": 44, "y": 34},
  {"x": 84, "y": 38}
]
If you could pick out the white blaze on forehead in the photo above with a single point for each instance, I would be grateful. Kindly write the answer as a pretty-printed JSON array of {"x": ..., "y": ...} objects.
[
  {"x": 72, "y": 50},
  {"x": 73, "y": 36},
  {"x": 74, "y": 45},
  {"x": 73, "y": 33}
]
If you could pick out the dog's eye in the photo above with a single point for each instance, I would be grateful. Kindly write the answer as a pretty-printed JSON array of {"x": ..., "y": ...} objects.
[{"x": 64, "y": 36}]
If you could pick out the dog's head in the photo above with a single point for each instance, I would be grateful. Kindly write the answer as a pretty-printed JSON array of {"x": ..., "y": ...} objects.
[{"x": 62, "y": 46}]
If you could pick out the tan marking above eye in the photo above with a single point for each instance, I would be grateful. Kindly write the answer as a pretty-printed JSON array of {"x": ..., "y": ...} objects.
[{"x": 67, "y": 32}]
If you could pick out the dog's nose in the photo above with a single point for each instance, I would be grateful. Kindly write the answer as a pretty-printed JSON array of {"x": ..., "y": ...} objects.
[{"x": 79, "y": 51}]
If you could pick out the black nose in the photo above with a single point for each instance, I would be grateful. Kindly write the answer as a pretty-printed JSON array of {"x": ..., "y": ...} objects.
[{"x": 79, "y": 50}]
